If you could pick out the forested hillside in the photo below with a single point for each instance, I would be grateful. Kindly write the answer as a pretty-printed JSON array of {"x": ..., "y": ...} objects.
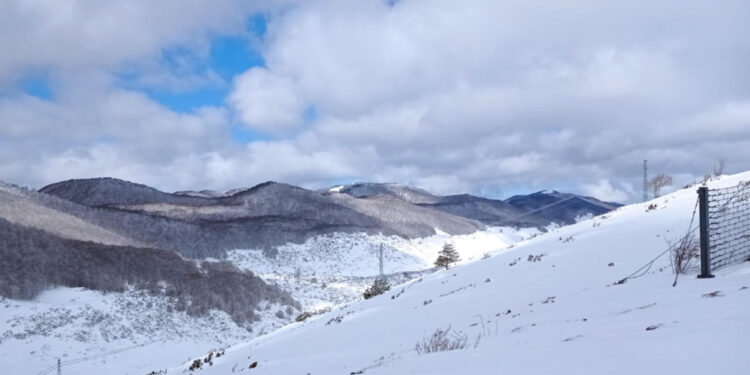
[{"x": 34, "y": 261}]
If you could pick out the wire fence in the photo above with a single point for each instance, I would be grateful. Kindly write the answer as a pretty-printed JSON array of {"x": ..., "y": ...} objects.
[{"x": 727, "y": 226}]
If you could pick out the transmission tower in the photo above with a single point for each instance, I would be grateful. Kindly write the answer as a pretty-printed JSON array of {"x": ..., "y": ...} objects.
[
  {"x": 380, "y": 259},
  {"x": 645, "y": 180}
]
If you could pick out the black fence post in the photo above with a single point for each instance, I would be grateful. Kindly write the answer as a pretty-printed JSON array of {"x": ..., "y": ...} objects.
[{"x": 705, "y": 255}]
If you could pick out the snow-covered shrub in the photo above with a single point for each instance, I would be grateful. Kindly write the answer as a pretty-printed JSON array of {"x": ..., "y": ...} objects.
[
  {"x": 303, "y": 316},
  {"x": 306, "y": 314},
  {"x": 441, "y": 341},
  {"x": 195, "y": 365},
  {"x": 377, "y": 288}
]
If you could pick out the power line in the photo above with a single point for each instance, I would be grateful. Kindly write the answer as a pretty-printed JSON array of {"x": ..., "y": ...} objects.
[
  {"x": 69, "y": 362},
  {"x": 541, "y": 208}
]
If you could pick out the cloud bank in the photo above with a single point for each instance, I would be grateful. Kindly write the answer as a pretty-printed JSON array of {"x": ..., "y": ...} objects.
[{"x": 490, "y": 97}]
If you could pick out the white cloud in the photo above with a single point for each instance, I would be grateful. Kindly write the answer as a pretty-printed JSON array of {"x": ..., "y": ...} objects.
[
  {"x": 452, "y": 96},
  {"x": 79, "y": 34},
  {"x": 603, "y": 190},
  {"x": 500, "y": 93},
  {"x": 266, "y": 101}
]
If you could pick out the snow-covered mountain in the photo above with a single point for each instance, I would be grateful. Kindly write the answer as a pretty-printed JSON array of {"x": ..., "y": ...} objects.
[
  {"x": 265, "y": 216},
  {"x": 63, "y": 298},
  {"x": 272, "y": 214},
  {"x": 537, "y": 209},
  {"x": 104, "y": 273},
  {"x": 135, "y": 331},
  {"x": 554, "y": 304},
  {"x": 57, "y": 216},
  {"x": 369, "y": 189},
  {"x": 557, "y": 207}
]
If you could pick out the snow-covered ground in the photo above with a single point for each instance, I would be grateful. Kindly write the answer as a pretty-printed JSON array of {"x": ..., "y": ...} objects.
[
  {"x": 550, "y": 305},
  {"x": 134, "y": 333},
  {"x": 332, "y": 269},
  {"x": 115, "y": 333}
]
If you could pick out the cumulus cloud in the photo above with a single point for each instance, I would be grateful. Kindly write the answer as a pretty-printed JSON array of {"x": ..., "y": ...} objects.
[
  {"x": 266, "y": 101},
  {"x": 603, "y": 190},
  {"x": 501, "y": 93},
  {"x": 454, "y": 97},
  {"x": 86, "y": 35}
]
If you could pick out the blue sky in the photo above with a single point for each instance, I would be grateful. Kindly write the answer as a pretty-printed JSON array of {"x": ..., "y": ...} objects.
[
  {"x": 37, "y": 86},
  {"x": 229, "y": 56}
]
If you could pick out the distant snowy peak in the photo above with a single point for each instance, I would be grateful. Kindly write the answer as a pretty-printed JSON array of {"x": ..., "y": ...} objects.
[
  {"x": 368, "y": 189},
  {"x": 336, "y": 189}
]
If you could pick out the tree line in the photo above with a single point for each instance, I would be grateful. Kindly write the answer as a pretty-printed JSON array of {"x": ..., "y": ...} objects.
[{"x": 33, "y": 261}]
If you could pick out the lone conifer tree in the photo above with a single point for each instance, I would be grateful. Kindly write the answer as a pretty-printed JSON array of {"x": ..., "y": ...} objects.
[{"x": 447, "y": 256}]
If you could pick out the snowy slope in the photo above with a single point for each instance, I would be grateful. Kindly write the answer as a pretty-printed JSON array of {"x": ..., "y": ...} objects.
[
  {"x": 135, "y": 333},
  {"x": 548, "y": 306},
  {"x": 119, "y": 333},
  {"x": 335, "y": 268},
  {"x": 23, "y": 207}
]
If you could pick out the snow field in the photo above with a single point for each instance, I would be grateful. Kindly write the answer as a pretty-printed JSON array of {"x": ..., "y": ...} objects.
[{"x": 550, "y": 305}]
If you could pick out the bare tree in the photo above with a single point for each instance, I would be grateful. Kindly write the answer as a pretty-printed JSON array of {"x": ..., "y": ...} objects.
[
  {"x": 719, "y": 168},
  {"x": 683, "y": 252},
  {"x": 659, "y": 182}
]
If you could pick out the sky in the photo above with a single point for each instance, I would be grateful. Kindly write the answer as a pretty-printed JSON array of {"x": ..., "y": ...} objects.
[{"x": 490, "y": 97}]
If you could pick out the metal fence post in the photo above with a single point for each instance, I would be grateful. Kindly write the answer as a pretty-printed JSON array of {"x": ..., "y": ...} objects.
[{"x": 705, "y": 256}]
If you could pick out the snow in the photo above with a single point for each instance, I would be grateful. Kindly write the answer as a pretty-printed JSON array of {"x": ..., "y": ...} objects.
[
  {"x": 336, "y": 268},
  {"x": 336, "y": 189},
  {"x": 134, "y": 333},
  {"x": 141, "y": 330},
  {"x": 549, "y": 305}
]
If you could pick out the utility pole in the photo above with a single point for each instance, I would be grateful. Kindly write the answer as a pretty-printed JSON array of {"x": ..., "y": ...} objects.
[
  {"x": 59, "y": 367},
  {"x": 645, "y": 180},
  {"x": 380, "y": 258}
]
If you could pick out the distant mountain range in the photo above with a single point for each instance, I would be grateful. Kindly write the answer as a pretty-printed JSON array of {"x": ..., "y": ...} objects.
[
  {"x": 276, "y": 213},
  {"x": 203, "y": 224},
  {"x": 272, "y": 213},
  {"x": 108, "y": 212},
  {"x": 537, "y": 209},
  {"x": 46, "y": 242}
]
